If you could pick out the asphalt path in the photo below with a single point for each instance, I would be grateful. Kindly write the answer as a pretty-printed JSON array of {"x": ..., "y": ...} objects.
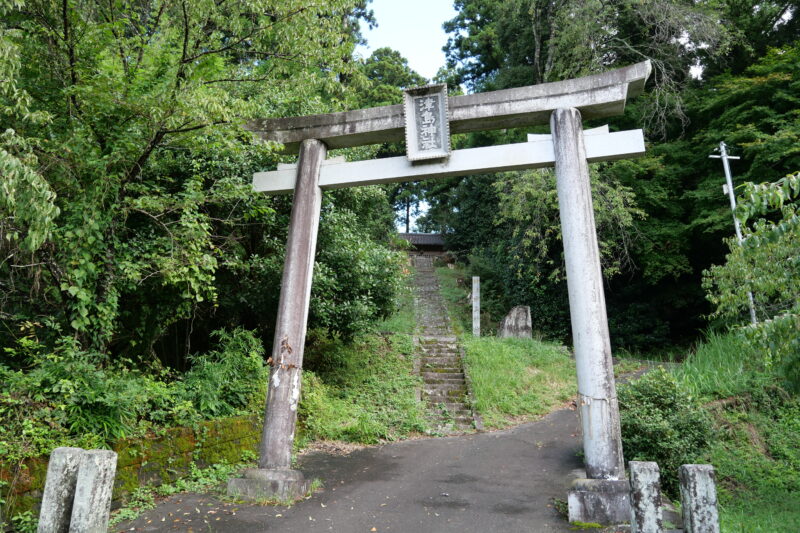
[{"x": 483, "y": 482}]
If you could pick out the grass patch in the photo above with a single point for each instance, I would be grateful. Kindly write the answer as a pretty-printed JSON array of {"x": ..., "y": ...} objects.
[
  {"x": 362, "y": 391},
  {"x": 757, "y": 458},
  {"x": 402, "y": 321},
  {"x": 515, "y": 379},
  {"x": 770, "y": 513}
]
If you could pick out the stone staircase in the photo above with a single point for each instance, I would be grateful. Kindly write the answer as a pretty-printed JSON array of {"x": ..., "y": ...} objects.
[{"x": 441, "y": 367}]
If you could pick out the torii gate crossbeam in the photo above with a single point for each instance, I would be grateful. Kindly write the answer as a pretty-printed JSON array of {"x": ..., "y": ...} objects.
[{"x": 603, "y": 496}]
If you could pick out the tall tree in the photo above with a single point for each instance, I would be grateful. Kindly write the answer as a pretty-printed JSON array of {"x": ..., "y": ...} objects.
[
  {"x": 521, "y": 42},
  {"x": 102, "y": 101}
]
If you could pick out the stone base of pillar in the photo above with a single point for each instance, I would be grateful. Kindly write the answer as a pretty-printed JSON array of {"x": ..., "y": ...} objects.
[
  {"x": 261, "y": 484},
  {"x": 600, "y": 501}
]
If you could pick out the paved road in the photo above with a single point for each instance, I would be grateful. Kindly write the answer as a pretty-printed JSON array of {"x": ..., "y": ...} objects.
[{"x": 499, "y": 481}]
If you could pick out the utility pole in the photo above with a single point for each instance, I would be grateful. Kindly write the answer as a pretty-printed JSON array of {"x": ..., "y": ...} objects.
[{"x": 728, "y": 189}]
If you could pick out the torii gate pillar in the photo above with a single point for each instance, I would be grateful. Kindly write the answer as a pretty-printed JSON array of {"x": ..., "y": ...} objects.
[
  {"x": 274, "y": 476},
  {"x": 604, "y": 496}
]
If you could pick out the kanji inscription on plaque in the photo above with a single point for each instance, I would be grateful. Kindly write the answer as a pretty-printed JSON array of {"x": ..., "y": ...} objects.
[{"x": 427, "y": 127}]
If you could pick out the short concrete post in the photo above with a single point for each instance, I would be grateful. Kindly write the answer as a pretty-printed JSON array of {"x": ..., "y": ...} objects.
[
  {"x": 274, "y": 477},
  {"x": 59, "y": 490},
  {"x": 699, "y": 499},
  {"x": 646, "y": 502},
  {"x": 597, "y": 396},
  {"x": 476, "y": 306},
  {"x": 95, "y": 483}
]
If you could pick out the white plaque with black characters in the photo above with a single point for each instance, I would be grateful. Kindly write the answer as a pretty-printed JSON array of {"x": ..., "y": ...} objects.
[{"x": 427, "y": 125}]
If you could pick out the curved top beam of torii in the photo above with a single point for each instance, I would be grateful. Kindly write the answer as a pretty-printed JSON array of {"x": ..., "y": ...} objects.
[{"x": 596, "y": 96}]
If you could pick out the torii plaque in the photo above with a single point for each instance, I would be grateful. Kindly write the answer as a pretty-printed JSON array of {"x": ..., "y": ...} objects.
[{"x": 603, "y": 497}]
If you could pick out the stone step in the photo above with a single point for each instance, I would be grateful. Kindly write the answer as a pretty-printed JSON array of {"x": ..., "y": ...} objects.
[
  {"x": 444, "y": 387},
  {"x": 436, "y": 399},
  {"x": 442, "y": 369},
  {"x": 452, "y": 406},
  {"x": 444, "y": 381},
  {"x": 444, "y": 396},
  {"x": 461, "y": 413},
  {"x": 439, "y": 346},
  {"x": 434, "y": 339},
  {"x": 442, "y": 375},
  {"x": 440, "y": 353},
  {"x": 438, "y": 365},
  {"x": 451, "y": 366},
  {"x": 431, "y": 346},
  {"x": 451, "y": 359},
  {"x": 459, "y": 421}
]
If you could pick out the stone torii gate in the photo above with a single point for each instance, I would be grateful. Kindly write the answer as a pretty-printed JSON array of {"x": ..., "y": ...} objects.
[{"x": 424, "y": 120}]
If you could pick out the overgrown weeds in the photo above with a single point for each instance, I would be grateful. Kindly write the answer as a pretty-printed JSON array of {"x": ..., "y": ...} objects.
[
  {"x": 360, "y": 392},
  {"x": 724, "y": 365},
  {"x": 72, "y": 397}
]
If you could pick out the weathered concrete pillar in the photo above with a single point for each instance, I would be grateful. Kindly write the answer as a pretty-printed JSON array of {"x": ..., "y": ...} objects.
[
  {"x": 699, "y": 499},
  {"x": 597, "y": 396},
  {"x": 646, "y": 502},
  {"x": 476, "y": 306},
  {"x": 59, "y": 490},
  {"x": 93, "y": 488},
  {"x": 274, "y": 477}
]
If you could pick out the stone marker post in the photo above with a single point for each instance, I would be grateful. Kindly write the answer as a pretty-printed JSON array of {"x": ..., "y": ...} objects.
[
  {"x": 699, "y": 499},
  {"x": 604, "y": 497},
  {"x": 646, "y": 515},
  {"x": 59, "y": 490},
  {"x": 93, "y": 488},
  {"x": 476, "y": 306},
  {"x": 274, "y": 476}
]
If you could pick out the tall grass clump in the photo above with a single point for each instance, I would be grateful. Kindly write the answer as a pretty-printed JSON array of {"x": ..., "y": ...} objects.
[
  {"x": 517, "y": 378},
  {"x": 725, "y": 365}
]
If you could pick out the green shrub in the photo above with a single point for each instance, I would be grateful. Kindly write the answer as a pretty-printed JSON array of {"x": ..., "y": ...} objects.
[
  {"x": 662, "y": 423},
  {"x": 228, "y": 380},
  {"x": 87, "y": 395}
]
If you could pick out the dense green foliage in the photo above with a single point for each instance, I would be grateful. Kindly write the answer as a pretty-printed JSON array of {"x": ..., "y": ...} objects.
[
  {"x": 73, "y": 395},
  {"x": 768, "y": 265},
  {"x": 127, "y": 221},
  {"x": 129, "y": 232}
]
